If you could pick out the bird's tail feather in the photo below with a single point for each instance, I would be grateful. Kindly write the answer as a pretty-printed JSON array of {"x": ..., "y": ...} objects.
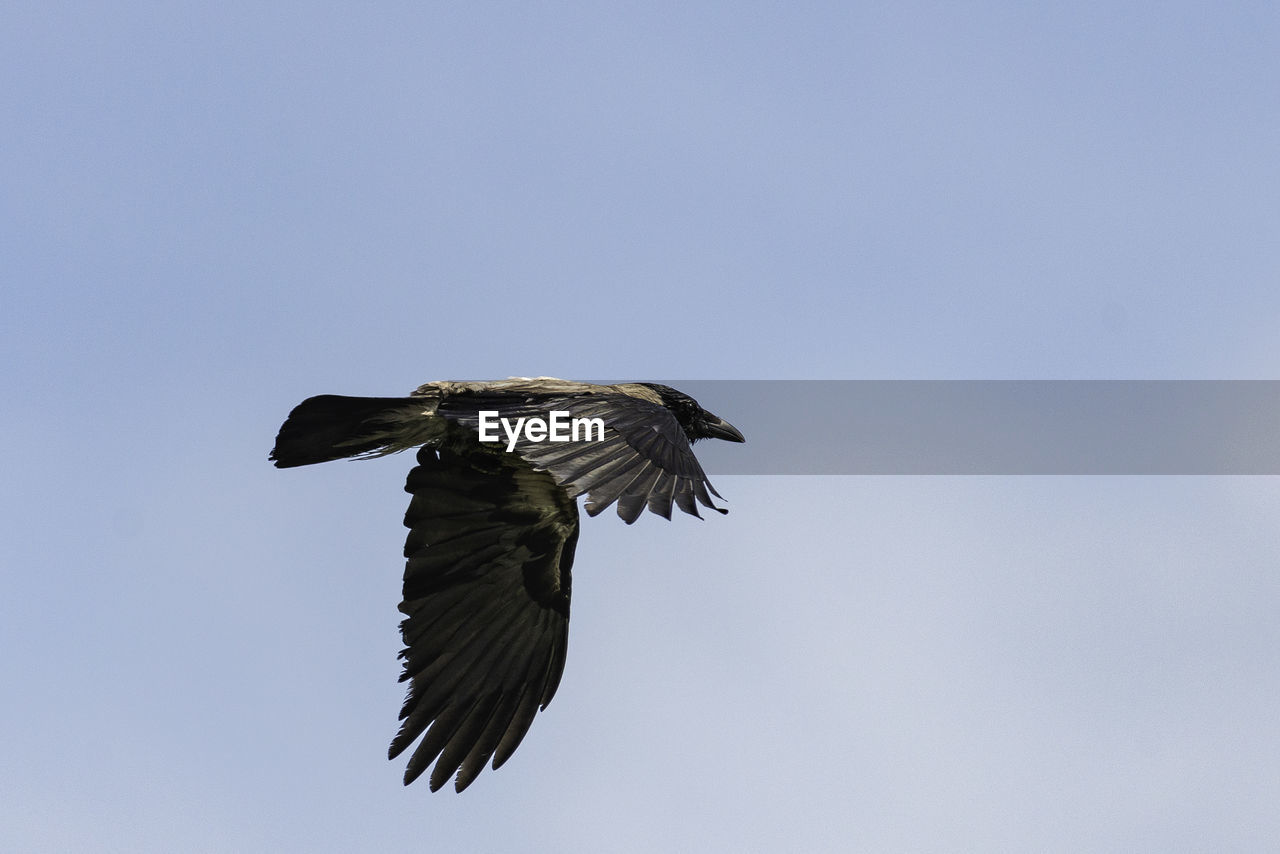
[{"x": 331, "y": 427}]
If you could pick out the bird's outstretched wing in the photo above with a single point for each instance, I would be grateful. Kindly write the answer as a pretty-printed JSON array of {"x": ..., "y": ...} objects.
[
  {"x": 486, "y": 604},
  {"x": 644, "y": 459}
]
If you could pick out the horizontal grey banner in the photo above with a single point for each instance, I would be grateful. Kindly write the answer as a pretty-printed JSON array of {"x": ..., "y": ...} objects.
[{"x": 993, "y": 426}]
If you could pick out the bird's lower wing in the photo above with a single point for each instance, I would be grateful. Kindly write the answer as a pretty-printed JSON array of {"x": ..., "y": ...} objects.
[{"x": 486, "y": 604}]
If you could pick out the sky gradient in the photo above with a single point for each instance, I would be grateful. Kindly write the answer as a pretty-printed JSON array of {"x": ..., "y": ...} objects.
[{"x": 210, "y": 213}]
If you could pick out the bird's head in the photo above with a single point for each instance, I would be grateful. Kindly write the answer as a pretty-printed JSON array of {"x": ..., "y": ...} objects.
[{"x": 697, "y": 422}]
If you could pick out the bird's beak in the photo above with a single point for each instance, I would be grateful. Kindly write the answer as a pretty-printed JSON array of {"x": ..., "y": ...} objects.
[{"x": 721, "y": 429}]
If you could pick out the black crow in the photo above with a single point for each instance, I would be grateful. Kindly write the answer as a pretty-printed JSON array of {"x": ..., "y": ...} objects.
[{"x": 493, "y": 524}]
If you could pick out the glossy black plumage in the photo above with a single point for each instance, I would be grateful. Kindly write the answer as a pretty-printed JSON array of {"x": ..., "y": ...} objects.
[{"x": 492, "y": 535}]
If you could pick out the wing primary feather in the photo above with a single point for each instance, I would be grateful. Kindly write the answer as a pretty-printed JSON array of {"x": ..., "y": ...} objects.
[
  {"x": 661, "y": 496},
  {"x": 636, "y": 494}
]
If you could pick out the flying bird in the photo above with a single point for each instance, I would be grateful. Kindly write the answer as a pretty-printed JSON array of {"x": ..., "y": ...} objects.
[{"x": 493, "y": 524}]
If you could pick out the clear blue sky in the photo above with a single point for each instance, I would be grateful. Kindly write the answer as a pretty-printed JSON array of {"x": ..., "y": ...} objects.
[{"x": 208, "y": 213}]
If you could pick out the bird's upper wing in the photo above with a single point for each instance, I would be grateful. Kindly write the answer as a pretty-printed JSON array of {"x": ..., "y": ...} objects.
[
  {"x": 643, "y": 460},
  {"x": 486, "y": 599}
]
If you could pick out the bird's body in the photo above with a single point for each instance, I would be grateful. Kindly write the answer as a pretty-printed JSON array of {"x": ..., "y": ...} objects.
[{"x": 492, "y": 531}]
